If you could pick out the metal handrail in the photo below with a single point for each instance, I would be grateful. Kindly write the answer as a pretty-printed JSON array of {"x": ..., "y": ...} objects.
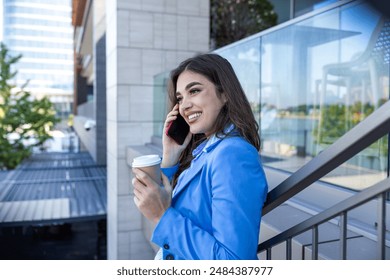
[
  {"x": 340, "y": 208},
  {"x": 354, "y": 141}
]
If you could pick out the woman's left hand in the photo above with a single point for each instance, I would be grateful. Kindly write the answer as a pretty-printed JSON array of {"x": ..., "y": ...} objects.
[{"x": 150, "y": 198}]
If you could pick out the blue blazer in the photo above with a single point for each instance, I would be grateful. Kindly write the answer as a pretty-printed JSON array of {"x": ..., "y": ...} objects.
[{"x": 216, "y": 204}]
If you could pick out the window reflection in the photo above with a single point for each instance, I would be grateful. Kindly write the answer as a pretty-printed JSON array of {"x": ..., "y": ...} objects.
[
  {"x": 304, "y": 6},
  {"x": 245, "y": 59}
]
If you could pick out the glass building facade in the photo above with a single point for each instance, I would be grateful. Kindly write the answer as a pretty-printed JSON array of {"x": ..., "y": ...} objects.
[
  {"x": 41, "y": 31},
  {"x": 289, "y": 9},
  {"x": 309, "y": 81}
]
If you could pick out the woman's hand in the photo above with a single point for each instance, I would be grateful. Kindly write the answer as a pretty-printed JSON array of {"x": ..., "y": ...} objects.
[
  {"x": 150, "y": 198},
  {"x": 172, "y": 150}
]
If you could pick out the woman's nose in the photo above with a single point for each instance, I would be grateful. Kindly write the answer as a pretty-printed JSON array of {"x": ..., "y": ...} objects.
[{"x": 185, "y": 103}]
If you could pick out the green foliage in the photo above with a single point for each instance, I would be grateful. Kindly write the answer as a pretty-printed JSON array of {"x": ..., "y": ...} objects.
[
  {"x": 333, "y": 123},
  {"x": 338, "y": 119},
  {"x": 232, "y": 20},
  {"x": 25, "y": 122}
]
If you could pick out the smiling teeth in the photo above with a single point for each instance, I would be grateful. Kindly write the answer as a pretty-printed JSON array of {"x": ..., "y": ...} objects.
[{"x": 193, "y": 116}]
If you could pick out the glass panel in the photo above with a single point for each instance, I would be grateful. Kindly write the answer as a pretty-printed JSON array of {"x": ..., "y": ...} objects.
[
  {"x": 320, "y": 77},
  {"x": 305, "y": 6},
  {"x": 354, "y": 82},
  {"x": 245, "y": 59},
  {"x": 286, "y": 96}
]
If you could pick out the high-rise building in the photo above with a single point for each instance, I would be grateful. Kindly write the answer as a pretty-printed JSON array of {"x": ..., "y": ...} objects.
[{"x": 41, "y": 31}]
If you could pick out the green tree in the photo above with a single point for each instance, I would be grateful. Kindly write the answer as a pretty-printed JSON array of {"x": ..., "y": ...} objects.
[
  {"x": 232, "y": 20},
  {"x": 25, "y": 122},
  {"x": 334, "y": 124},
  {"x": 338, "y": 119}
]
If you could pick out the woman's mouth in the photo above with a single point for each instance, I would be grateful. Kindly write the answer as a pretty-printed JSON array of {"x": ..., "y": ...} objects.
[{"x": 194, "y": 116}]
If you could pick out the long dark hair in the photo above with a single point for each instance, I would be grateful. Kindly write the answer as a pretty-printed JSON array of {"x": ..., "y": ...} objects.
[{"x": 237, "y": 109}]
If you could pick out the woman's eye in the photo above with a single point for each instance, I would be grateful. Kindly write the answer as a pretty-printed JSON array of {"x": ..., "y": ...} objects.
[
  {"x": 179, "y": 99},
  {"x": 194, "y": 91}
]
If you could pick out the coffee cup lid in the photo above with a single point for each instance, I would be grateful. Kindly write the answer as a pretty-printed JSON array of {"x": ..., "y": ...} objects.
[{"x": 147, "y": 160}]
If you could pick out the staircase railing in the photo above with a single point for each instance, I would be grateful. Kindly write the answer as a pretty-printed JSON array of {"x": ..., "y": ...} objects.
[{"x": 354, "y": 141}]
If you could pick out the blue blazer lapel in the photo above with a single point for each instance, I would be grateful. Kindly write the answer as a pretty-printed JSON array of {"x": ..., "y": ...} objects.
[{"x": 196, "y": 166}]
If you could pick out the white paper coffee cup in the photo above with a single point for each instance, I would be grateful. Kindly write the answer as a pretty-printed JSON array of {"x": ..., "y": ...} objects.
[{"x": 150, "y": 164}]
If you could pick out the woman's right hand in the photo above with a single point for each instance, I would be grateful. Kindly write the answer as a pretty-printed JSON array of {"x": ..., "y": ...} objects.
[{"x": 172, "y": 150}]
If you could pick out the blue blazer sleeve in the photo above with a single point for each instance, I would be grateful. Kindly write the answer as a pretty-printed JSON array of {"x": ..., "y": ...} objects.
[
  {"x": 170, "y": 171},
  {"x": 234, "y": 175}
]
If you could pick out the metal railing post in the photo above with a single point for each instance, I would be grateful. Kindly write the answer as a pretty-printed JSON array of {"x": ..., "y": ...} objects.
[
  {"x": 269, "y": 254},
  {"x": 381, "y": 230},
  {"x": 343, "y": 235},
  {"x": 289, "y": 248},
  {"x": 314, "y": 252}
]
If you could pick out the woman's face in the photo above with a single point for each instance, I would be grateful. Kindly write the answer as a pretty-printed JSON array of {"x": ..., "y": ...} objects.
[{"x": 198, "y": 101}]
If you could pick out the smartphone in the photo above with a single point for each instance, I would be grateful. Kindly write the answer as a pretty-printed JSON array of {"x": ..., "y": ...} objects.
[{"x": 178, "y": 130}]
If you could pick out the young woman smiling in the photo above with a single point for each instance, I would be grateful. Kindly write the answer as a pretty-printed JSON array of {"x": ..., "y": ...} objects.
[{"x": 214, "y": 183}]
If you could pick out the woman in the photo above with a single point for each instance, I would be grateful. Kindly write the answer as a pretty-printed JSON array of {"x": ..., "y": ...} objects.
[{"x": 218, "y": 182}]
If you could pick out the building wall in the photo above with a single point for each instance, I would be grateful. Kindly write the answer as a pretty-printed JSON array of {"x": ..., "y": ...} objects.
[
  {"x": 91, "y": 80},
  {"x": 41, "y": 32},
  {"x": 143, "y": 39}
]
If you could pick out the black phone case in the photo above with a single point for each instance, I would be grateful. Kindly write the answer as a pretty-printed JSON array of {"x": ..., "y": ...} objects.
[{"x": 178, "y": 130}]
